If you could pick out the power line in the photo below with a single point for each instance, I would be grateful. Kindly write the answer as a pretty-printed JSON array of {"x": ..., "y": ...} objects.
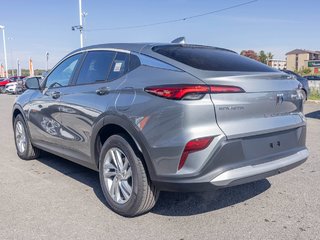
[{"x": 174, "y": 20}]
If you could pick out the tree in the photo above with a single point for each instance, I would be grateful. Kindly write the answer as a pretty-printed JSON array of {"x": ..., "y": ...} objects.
[
  {"x": 305, "y": 71},
  {"x": 262, "y": 57},
  {"x": 250, "y": 54},
  {"x": 269, "y": 55}
]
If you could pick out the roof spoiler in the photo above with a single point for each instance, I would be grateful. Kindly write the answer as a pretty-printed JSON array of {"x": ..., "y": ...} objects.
[{"x": 181, "y": 40}]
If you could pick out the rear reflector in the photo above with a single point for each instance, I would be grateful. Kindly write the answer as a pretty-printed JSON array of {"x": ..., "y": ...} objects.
[
  {"x": 190, "y": 92},
  {"x": 193, "y": 146}
]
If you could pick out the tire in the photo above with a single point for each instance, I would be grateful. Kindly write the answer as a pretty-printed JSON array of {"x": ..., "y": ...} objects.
[
  {"x": 143, "y": 194},
  {"x": 304, "y": 95},
  {"x": 21, "y": 136}
]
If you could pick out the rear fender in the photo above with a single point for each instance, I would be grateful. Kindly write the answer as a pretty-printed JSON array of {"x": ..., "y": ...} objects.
[{"x": 131, "y": 130}]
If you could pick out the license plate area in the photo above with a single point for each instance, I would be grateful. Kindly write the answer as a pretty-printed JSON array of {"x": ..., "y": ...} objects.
[{"x": 268, "y": 144}]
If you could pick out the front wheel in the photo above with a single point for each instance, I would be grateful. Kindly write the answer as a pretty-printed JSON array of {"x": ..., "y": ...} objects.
[
  {"x": 24, "y": 147},
  {"x": 123, "y": 178}
]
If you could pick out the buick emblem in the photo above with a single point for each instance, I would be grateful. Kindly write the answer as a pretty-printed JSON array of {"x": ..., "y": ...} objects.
[{"x": 279, "y": 98}]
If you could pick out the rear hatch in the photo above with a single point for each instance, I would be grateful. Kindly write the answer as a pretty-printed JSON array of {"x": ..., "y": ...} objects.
[{"x": 270, "y": 100}]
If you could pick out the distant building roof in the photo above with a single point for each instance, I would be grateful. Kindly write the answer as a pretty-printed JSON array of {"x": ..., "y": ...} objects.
[
  {"x": 299, "y": 51},
  {"x": 277, "y": 60}
]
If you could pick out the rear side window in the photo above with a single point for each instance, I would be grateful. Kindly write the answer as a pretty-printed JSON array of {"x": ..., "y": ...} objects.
[
  {"x": 211, "y": 59},
  {"x": 96, "y": 67},
  {"x": 119, "y": 66},
  {"x": 134, "y": 62}
]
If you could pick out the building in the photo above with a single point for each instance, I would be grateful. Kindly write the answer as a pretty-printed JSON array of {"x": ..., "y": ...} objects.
[
  {"x": 299, "y": 58},
  {"x": 277, "y": 63}
]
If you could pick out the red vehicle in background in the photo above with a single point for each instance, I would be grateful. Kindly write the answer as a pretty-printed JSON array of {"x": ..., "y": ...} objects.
[{"x": 5, "y": 81}]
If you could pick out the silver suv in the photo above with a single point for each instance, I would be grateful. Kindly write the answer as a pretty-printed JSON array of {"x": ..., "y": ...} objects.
[{"x": 163, "y": 117}]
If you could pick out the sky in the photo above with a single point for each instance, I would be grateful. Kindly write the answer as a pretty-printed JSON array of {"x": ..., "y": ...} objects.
[{"x": 35, "y": 27}]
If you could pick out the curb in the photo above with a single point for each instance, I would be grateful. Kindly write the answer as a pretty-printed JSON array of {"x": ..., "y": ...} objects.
[{"x": 313, "y": 101}]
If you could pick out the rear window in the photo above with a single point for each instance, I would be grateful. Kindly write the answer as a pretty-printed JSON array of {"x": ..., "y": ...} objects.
[{"x": 211, "y": 59}]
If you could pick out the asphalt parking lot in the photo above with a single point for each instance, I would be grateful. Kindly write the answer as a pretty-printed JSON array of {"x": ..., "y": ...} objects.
[{"x": 52, "y": 198}]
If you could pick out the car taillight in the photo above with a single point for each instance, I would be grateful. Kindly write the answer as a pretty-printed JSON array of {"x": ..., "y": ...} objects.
[
  {"x": 190, "y": 92},
  {"x": 178, "y": 92},
  {"x": 193, "y": 146},
  {"x": 225, "y": 89}
]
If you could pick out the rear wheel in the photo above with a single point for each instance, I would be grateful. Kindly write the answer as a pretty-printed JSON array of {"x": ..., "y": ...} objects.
[
  {"x": 25, "y": 150},
  {"x": 123, "y": 178}
]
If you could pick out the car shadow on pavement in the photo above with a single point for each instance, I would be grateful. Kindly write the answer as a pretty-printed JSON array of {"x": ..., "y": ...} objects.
[
  {"x": 315, "y": 114},
  {"x": 77, "y": 172},
  {"x": 169, "y": 203},
  {"x": 186, "y": 204}
]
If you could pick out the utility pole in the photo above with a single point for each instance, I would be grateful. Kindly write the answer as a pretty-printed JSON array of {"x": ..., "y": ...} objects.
[
  {"x": 18, "y": 67},
  {"x": 11, "y": 56},
  {"x": 47, "y": 60},
  {"x": 80, "y": 26},
  {"x": 5, "y": 50}
]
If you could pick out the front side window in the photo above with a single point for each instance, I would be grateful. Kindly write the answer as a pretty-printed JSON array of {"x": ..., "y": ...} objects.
[
  {"x": 96, "y": 67},
  {"x": 62, "y": 74}
]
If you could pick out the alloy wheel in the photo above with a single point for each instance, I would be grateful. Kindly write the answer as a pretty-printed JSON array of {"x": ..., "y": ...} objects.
[
  {"x": 21, "y": 137},
  {"x": 117, "y": 175}
]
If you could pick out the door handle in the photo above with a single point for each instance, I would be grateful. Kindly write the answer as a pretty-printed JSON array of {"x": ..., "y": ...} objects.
[
  {"x": 103, "y": 91},
  {"x": 55, "y": 95}
]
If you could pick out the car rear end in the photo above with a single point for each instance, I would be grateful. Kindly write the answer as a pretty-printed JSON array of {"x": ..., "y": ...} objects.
[{"x": 220, "y": 119}]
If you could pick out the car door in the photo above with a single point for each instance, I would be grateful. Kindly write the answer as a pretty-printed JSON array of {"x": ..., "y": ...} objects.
[
  {"x": 44, "y": 108},
  {"x": 94, "y": 92}
]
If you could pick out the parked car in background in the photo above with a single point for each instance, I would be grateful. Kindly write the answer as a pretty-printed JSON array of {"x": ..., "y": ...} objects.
[
  {"x": 5, "y": 81},
  {"x": 303, "y": 81},
  {"x": 312, "y": 77},
  {"x": 163, "y": 117},
  {"x": 11, "y": 87},
  {"x": 21, "y": 86}
]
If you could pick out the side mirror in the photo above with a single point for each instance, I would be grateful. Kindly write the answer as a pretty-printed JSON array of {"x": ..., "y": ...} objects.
[{"x": 33, "y": 83}]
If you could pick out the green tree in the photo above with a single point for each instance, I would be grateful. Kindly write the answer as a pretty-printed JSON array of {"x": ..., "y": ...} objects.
[
  {"x": 262, "y": 57},
  {"x": 269, "y": 55},
  {"x": 304, "y": 71}
]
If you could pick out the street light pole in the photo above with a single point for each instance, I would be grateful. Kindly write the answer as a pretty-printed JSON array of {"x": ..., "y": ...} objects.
[
  {"x": 5, "y": 50},
  {"x": 47, "y": 59},
  {"x": 80, "y": 26},
  {"x": 11, "y": 57}
]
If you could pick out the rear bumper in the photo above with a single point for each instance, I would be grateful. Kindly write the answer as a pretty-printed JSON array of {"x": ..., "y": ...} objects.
[
  {"x": 237, "y": 176},
  {"x": 255, "y": 172},
  {"x": 235, "y": 162}
]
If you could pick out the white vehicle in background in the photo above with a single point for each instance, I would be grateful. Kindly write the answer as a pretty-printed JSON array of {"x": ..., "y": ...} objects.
[{"x": 11, "y": 88}]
